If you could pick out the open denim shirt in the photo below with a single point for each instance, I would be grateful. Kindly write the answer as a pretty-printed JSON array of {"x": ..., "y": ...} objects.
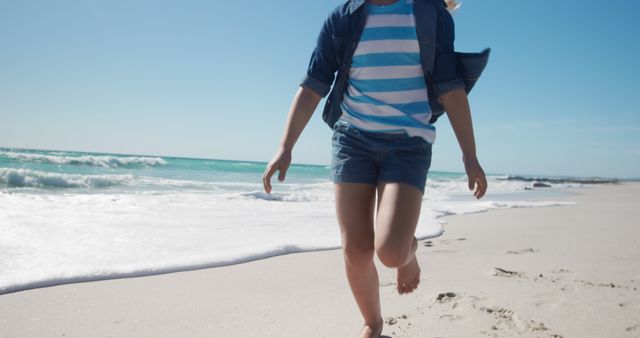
[{"x": 341, "y": 33}]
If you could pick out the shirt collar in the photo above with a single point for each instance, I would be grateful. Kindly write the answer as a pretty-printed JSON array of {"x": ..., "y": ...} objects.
[{"x": 355, "y": 4}]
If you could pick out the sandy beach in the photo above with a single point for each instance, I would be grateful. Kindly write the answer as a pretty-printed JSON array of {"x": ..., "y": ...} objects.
[{"x": 568, "y": 271}]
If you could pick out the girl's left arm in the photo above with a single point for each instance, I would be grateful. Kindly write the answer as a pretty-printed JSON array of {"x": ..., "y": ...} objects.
[{"x": 456, "y": 105}]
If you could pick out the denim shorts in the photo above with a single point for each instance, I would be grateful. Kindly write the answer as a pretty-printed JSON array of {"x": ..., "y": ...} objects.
[{"x": 360, "y": 156}]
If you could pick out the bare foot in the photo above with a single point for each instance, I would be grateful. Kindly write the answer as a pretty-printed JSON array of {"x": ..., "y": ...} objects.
[
  {"x": 372, "y": 331},
  {"x": 409, "y": 276}
]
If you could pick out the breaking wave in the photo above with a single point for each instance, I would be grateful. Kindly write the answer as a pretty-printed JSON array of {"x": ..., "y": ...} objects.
[
  {"x": 87, "y": 160},
  {"x": 27, "y": 178}
]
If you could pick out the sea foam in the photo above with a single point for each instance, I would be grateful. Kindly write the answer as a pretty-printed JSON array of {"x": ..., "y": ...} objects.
[
  {"x": 50, "y": 239},
  {"x": 86, "y": 160}
]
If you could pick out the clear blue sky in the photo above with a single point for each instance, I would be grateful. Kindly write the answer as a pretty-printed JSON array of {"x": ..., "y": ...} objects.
[{"x": 215, "y": 79}]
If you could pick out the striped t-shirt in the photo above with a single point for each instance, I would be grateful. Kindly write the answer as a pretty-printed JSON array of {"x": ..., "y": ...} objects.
[{"x": 387, "y": 91}]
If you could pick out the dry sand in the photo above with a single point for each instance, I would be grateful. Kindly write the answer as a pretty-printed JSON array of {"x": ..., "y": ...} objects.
[{"x": 570, "y": 271}]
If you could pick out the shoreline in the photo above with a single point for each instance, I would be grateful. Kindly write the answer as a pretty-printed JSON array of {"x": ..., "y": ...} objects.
[
  {"x": 500, "y": 200},
  {"x": 558, "y": 265}
]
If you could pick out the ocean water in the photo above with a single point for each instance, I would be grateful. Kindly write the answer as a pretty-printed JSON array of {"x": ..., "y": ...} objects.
[{"x": 72, "y": 216}]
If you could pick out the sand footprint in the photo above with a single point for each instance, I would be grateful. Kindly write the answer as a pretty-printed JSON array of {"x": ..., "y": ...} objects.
[
  {"x": 554, "y": 276},
  {"x": 446, "y": 297},
  {"x": 457, "y": 300},
  {"x": 454, "y": 300},
  {"x": 394, "y": 320},
  {"x": 522, "y": 251},
  {"x": 503, "y": 321},
  {"x": 448, "y": 241},
  {"x": 451, "y": 317},
  {"x": 632, "y": 328},
  {"x": 499, "y": 272},
  {"x": 397, "y": 324},
  {"x": 444, "y": 251},
  {"x": 508, "y": 320}
]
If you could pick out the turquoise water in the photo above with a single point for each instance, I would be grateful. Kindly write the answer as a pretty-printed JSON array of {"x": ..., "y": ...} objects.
[
  {"x": 91, "y": 172},
  {"x": 25, "y": 170},
  {"x": 121, "y": 172}
]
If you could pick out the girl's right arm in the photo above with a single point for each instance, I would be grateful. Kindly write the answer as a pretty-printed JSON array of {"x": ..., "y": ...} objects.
[{"x": 303, "y": 105}]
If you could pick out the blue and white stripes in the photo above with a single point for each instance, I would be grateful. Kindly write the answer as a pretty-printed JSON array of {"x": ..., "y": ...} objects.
[{"x": 387, "y": 90}]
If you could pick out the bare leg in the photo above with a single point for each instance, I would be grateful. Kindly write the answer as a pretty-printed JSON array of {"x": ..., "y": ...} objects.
[
  {"x": 355, "y": 208},
  {"x": 397, "y": 217}
]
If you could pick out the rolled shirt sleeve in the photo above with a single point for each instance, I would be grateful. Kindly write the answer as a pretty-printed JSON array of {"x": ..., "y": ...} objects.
[
  {"x": 323, "y": 64},
  {"x": 446, "y": 75}
]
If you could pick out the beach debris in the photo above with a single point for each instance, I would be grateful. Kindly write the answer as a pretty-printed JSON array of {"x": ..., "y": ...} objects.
[
  {"x": 522, "y": 251},
  {"x": 541, "y": 185}
]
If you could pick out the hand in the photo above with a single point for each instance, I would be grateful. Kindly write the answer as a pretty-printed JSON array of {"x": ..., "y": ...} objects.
[
  {"x": 280, "y": 162},
  {"x": 476, "y": 177}
]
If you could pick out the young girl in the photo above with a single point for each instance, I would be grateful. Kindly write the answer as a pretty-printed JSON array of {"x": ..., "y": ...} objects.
[{"x": 385, "y": 52}]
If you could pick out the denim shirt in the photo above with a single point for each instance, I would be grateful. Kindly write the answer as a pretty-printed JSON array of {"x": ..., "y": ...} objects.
[{"x": 339, "y": 38}]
